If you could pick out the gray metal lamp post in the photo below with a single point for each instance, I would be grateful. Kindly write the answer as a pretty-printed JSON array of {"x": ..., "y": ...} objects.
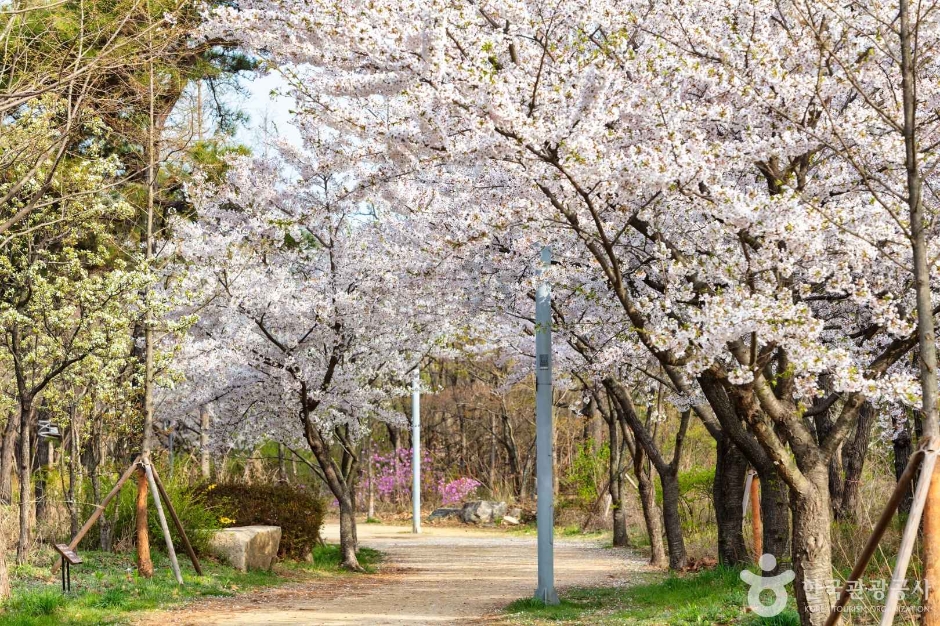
[
  {"x": 545, "y": 514},
  {"x": 416, "y": 452}
]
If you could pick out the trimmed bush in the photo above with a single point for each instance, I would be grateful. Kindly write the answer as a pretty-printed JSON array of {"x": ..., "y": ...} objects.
[{"x": 296, "y": 509}]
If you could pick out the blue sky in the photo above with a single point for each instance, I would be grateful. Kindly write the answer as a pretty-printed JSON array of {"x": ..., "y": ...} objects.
[{"x": 263, "y": 107}]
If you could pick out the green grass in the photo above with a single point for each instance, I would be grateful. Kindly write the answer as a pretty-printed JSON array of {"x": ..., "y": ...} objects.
[
  {"x": 106, "y": 589},
  {"x": 571, "y": 530},
  {"x": 716, "y": 596},
  {"x": 325, "y": 560}
]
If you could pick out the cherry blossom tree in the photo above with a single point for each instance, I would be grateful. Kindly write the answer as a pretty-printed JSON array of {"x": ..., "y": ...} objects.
[
  {"x": 733, "y": 175},
  {"x": 309, "y": 317}
]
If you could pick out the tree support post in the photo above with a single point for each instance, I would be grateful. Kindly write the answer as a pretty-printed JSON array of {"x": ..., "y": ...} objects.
[
  {"x": 911, "y": 530},
  {"x": 545, "y": 514},
  {"x": 881, "y": 526},
  {"x": 757, "y": 525},
  {"x": 176, "y": 522},
  {"x": 174, "y": 564}
]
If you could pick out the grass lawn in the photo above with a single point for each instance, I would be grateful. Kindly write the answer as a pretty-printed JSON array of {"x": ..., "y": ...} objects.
[
  {"x": 107, "y": 590},
  {"x": 716, "y": 596},
  {"x": 571, "y": 530}
]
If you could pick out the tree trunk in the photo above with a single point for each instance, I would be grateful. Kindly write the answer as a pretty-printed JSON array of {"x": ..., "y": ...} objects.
[
  {"x": 8, "y": 459},
  {"x": 651, "y": 514},
  {"x": 615, "y": 486},
  {"x": 593, "y": 432},
  {"x": 371, "y": 478},
  {"x": 512, "y": 455},
  {"x": 903, "y": 449},
  {"x": 104, "y": 539},
  {"x": 204, "y": 464},
  {"x": 348, "y": 541},
  {"x": 4, "y": 572},
  {"x": 812, "y": 547},
  {"x": 74, "y": 476},
  {"x": 728, "y": 496},
  {"x": 144, "y": 564},
  {"x": 493, "y": 453},
  {"x": 854, "y": 453},
  {"x": 341, "y": 484},
  {"x": 461, "y": 423},
  {"x": 775, "y": 513},
  {"x": 105, "y": 525},
  {"x": 22, "y": 543},
  {"x": 678, "y": 559},
  {"x": 281, "y": 464},
  {"x": 40, "y": 464},
  {"x": 921, "y": 267},
  {"x": 394, "y": 437}
]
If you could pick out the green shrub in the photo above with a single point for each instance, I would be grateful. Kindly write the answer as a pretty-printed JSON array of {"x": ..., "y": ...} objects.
[
  {"x": 587, "y": 472},
  {"x": 697, "y": 482},
  {"x": 297, "y": 510}
]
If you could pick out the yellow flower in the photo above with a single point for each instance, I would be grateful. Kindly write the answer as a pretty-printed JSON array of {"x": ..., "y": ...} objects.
[{"x": 226, "y": 520}]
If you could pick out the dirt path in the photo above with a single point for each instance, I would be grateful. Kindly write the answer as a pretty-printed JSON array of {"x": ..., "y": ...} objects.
[{"x": 443, "y": 576}]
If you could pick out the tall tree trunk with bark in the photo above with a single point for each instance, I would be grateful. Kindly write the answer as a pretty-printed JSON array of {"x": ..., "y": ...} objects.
[
  {"x": 494, "y": 451},
  {"x": 74, "y": 473},
  {"x": 204, "y": 424},
  {"x": 728, "y": 497},
  {"x": 42, "y": 462},
  {"x": 651, "y": 514},
  {"x": 854, "y": 452},
  {"x": 8, "y": 458},
  {"x": 281, "y": 464},
  {"x": 668, "y": 471},
  {"x": 615, "y": 486},
  {"x": 903, "y": 448},
  {"x": 26, "y": 418},
  {"x": 812, "y": 546},
  {"x": 340, "y": 479},
  {"x": 775, "y": 513},
  {"x": 4, "y": 570},
  {"x": 732, "y": 412},
  {"x": 371, "y": 478},
  {"x": 926, "y": 336},
  {"x": 672, "y": 522}
]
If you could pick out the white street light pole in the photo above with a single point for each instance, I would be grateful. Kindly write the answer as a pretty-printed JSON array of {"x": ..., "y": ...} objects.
[
  {"x": 545, "y": 514},
  {"x": 416, "y": 452}
]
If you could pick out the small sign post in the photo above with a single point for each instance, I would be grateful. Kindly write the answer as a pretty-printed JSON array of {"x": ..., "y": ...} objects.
[{"x": 69, "y": 558}]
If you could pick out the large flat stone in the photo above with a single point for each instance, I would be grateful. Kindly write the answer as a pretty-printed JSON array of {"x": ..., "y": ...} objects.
[
  {"x": 482, "y": 511},
  {"x": 247, "y": 547},
  {"x": 443, "y": 513}
]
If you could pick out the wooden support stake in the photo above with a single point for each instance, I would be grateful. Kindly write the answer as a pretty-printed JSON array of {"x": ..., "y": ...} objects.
[
  {"x": 910, "y": 533},
  {"x": 174, "y": 564},
  {"x": 99, "y": 509},
  {"x": 877, "y": 533},
  {"x": 757, "y": 525},
  {"x": 177, "y": 522}
]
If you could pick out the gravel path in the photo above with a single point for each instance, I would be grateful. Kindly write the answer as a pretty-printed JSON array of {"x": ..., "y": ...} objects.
[{"x": 443, "y": 576}]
